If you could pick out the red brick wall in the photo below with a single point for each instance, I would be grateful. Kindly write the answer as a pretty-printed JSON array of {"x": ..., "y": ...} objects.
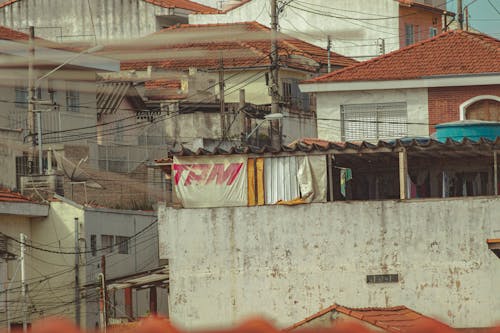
[
  {"x": 422, "y": 21},
  {"x": 444, "y": 102}
]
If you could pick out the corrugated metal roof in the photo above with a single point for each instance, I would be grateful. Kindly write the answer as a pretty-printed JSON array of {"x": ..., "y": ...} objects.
[{"x": 318, "y": 145}]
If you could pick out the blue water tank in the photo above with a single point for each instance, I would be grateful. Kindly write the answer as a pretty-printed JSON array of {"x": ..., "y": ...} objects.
[{"x": 471, "y": 129}]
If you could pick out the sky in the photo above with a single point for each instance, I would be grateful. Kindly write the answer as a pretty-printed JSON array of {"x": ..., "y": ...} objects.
[{"x": 482, "y": 15}]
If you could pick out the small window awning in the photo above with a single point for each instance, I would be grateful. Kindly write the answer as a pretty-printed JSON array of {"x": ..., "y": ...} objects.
[
  {"x": 494, "y": 246},
  {"x": 153, "y": 278}
]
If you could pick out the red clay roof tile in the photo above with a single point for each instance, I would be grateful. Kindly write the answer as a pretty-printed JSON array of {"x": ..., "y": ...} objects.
[
  {"x": 247, "y": 45},
  {"x": 392, "y": 319},
  {"x": 7, "y": 195},
  {"x": 451, "y": 53},
  {"x": 9, "y": 34}
]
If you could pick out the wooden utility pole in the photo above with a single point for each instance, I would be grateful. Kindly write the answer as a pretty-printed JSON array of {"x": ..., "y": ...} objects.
[
  {"x": 460, "y": 15},
  {"x": 275, "y": 95},
  {"x": 221, "y": 99}
]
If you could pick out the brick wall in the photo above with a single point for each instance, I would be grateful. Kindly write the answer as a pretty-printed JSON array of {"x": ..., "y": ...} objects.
[{"x": 444, "y": 102}]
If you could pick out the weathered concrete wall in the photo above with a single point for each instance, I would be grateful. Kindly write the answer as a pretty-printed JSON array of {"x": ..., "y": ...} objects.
[
  {"x": 289, "y": 262},
  {"x": 350, "y": 37},
  {"x": 329, "y": 106},
  {"x": 70, "y": 20}
]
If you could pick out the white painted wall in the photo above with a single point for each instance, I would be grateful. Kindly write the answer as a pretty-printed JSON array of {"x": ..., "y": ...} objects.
[
  {"x": 70, "y": 20},
  {"x": 287, "y": 263},
  {"x": 352, "y": 38},
  {"x": 328, "y": 109}
]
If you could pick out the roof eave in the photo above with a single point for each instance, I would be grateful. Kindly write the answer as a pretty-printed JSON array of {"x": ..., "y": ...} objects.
[
  {"x": 425, "y": 82},
  {"x": 28, "y": 209}
]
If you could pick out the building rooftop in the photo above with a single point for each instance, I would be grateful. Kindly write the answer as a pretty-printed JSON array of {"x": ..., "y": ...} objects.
[
  {"x": 245, "y": 44},
  {"x": 451, "y": 53},
  {"x": 391, "y": 319},
  {"x": 182, "y": 4},
  {"x": 7, "y": 195}
]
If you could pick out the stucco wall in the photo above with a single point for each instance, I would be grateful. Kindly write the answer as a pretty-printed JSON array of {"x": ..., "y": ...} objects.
[
  {"x": 70, "y": 20},
  {"x": 287, "y": 263},
  {"x": 328, "y": 109},
  {"x": 350, "y": 37}
]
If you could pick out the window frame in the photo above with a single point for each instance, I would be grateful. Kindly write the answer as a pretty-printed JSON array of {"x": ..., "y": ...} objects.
[
  {"x": 73, "y": 100},
  {"x": 123, "y": 244}
]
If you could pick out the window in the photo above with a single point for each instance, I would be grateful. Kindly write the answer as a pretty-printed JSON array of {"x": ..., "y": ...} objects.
[
  {"x": 119, "y": 131},
  {"x": 21, "y": 98},
  {"x": 433, "y": 32},
  {"x": 73, "y": 100},
  {"x": 107, "y": 243},
  {"x": 293, "y": 97},
  {"x": 409, "y": 34},
  {"x": 93, "y": 245},
  {"x": 374, "y": 121},
  {"x": 122, "y": 244}
]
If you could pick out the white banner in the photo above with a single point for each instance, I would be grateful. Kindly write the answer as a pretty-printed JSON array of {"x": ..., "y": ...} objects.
[{"x": 211, "y": 181}]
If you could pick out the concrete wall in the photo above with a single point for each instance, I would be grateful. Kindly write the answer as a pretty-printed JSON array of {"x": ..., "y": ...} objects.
[
  {"x": 287, "y": 263},
  {"x": 70, "y": 20},
  {"x": 12, "y": 225},
  {"x": 10, "y": 147},
  {"x": 329, "y": 116},
  {"x": 143, "y": 255},
  {"x": 350, "y": 37},
  {"x": 56, "y": 232},
  {"x": 14, "y": 115}
]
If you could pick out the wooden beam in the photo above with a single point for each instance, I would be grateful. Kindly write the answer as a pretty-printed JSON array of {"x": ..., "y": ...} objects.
[{"x": 403, "y": 175}]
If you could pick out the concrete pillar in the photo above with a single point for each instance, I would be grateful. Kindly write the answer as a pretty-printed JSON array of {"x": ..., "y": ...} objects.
[{"x": 403, "y": 175}]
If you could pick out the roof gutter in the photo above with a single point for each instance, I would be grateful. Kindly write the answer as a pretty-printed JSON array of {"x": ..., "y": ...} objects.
[{"x": 425, "y": 82}]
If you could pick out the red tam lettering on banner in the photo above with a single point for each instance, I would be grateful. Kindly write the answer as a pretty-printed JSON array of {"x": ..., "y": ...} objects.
[
  {"x": 221, "y": 175},
  {"x": 207, "y": 173}
]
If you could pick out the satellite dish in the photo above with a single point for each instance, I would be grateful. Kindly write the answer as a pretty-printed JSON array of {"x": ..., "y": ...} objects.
[{"x": 74, "y": 171}]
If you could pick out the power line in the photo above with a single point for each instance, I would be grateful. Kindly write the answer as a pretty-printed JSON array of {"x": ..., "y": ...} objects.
[{"x": 82, "y": 252}]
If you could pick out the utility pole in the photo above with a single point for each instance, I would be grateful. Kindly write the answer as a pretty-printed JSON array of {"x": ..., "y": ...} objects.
[
  {"x": 22, "y": 238},
  {"x": 102, "y": 302},
  {"x": 275, "y": 95},
  {"x": 31, "y": 95},
  {"x": 77, "y": 273},
  {"x": 460, "y": 14},
  {"x": 466, "y": 18},
  {"x": 221, "y": 98},
  {"x": 104, "y": 290},
  {"x": 329, "y": 50}
]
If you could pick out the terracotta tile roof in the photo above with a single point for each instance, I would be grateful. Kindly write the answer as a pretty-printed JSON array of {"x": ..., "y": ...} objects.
[
  {"x": 182, "y": 4},
  {"x": 393, "y": 319},
  {"x": 412, "y": 3},
  {"x": 451, "y": 53},
  {"x": 7, "y": 195},
  {"x": 243, "y": 44},
  {"x": 9, "y": 34},
  {"x": 165, "y": 84}
]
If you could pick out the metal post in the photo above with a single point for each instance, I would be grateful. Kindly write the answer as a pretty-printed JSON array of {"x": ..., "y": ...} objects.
[
  {"x": 495, "y": 171},
  {"x": 242, "y": 114},
  {"x": 330, "y": 175},
  {"x": 221, "y": 99},
  {"x": 31, "y": 95},
  {"x": 102, "y": 303},
  {"x": 460, "y": 15},
  {"x": 22, "y": 238},
  {"x": 329, "y": 50},
  {"x": 40, "y": 148},
  {"x": 77, "y": 273},
  {"x": 275, "y": 95},
  {"x": 403, "y": 172}
]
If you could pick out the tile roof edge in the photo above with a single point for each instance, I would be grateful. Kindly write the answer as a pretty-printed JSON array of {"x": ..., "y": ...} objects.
[
  {"x": 312, "y": 317},
  {"x": 324, "y": 78},
  {"x": 208, "y": 10}
]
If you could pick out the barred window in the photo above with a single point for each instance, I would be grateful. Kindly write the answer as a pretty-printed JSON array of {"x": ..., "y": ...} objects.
[
  {"x": 122, "y": 243},
  {"x": 374, "y": 121},
  {"x": 107, "y": 243},
  {"x": 73, "y": 100},
  {"x": 21, "y": 98}
]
